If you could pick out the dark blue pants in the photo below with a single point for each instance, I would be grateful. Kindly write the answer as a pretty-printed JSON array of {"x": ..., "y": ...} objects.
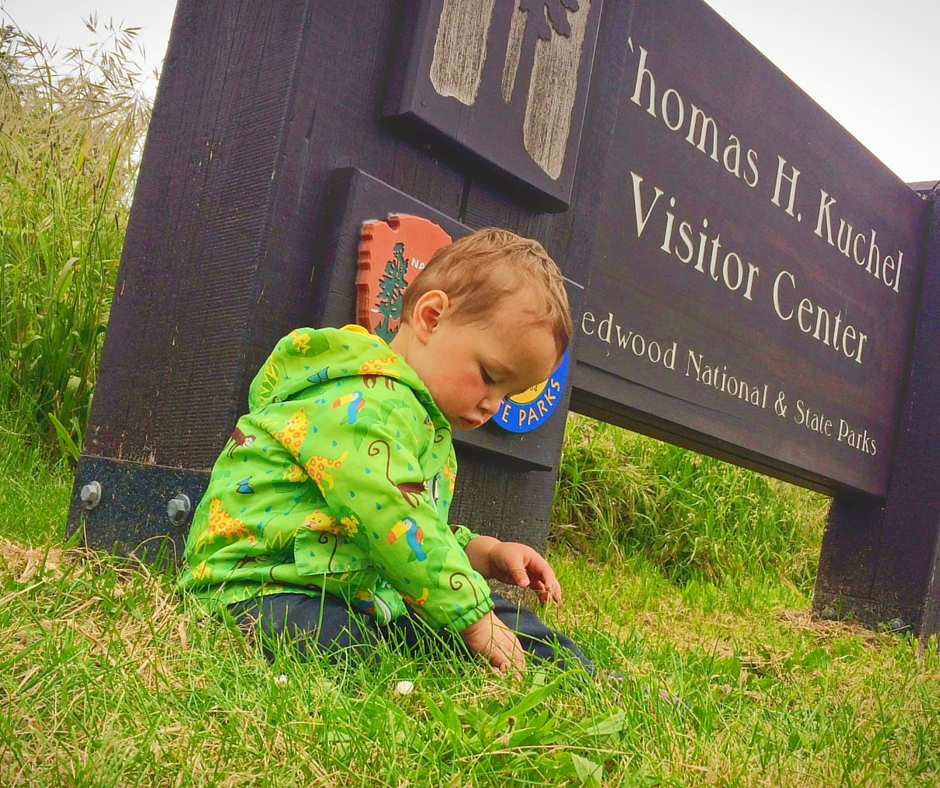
[{"x": 327, "y": 625}]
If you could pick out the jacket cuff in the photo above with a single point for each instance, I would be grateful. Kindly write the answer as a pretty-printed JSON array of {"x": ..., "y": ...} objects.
[
  {"x": 463, "y": 535},
  {"x": 471, "y": 616}
]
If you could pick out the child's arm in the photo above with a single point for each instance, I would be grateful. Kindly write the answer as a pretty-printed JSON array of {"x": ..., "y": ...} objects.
[{"x": 513, "y": 563}]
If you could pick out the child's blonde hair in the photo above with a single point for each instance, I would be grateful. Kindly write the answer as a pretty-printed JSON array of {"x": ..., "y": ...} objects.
[{"x": 479, "y": 270}]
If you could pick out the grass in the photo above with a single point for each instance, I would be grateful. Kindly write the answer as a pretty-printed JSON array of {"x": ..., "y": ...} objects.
[
  {"x": 33, "y": 489},
  {"x": 697, "y": 518},
  {"x": 109, "y": 679},
  {"x": 70, "y": 129},
  {"x": 687, "y": 580}
]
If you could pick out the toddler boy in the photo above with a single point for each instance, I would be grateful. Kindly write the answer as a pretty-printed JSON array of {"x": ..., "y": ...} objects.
[{"x": 327, "y": 511}]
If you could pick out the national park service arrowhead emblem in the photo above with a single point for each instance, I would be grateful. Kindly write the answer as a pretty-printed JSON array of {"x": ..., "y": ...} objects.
[{"x": 391, "y": 255}]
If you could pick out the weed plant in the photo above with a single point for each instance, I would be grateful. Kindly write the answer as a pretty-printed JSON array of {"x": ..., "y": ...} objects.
[
  {"x": 622, "y": 495},
  {"x": 71, "y": 126},
  {"x": 33, "y": 490}
]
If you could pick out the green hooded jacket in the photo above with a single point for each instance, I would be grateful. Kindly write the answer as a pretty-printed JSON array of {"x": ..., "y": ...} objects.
[{"x": 340, "y": 479}]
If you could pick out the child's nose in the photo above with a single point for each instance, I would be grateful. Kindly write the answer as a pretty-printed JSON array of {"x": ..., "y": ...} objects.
[{"x": 490, "y": 405}]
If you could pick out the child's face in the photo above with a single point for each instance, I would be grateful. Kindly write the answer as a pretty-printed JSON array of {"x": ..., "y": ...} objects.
[{"x": 469, "y": 368}]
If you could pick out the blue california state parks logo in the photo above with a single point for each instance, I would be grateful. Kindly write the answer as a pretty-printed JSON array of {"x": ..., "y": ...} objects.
[{"x": 530, "y": 409}]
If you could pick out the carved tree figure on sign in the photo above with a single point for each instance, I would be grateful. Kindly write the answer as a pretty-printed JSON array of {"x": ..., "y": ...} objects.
[
  {"x": 546, "y": 38},
  {"x": 391, "y": 288}
]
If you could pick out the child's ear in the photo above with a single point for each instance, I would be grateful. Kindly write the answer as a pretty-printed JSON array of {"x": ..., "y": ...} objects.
[{"x": 429, "y": 309}]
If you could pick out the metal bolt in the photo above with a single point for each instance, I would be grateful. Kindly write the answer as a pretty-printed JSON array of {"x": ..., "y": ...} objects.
[
  {"x": 897, "y": 624},
  {"x": 91, "y": 495},
  {"x": 178, "y": 509},
  {"x": 828, "y": 614}
]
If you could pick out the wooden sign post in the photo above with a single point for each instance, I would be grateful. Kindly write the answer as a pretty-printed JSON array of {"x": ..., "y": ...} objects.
[
  {"x": 879, "y": 557},
  {"x": 746, "y": 279}
]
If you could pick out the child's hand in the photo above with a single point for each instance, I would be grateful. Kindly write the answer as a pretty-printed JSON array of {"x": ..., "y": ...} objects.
[
  {"x": 492, "y": 639},
  {"x": 520, "y": 565}
]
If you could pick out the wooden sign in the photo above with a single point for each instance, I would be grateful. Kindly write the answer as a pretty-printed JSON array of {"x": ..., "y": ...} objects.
[
  {"x": 505, "y": 79},
  {"x": 757, "y": 280},
  {"x": 757, "y": 270}
]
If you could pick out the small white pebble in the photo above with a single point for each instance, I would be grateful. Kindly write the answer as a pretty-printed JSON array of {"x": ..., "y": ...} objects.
[
  {"x": 282, "y": 680},
  {"x": 404, "y": 687}
]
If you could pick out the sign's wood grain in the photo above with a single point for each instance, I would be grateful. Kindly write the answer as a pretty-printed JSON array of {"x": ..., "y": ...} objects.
[
  {"x": 470, "y": 67},
  {"x": 757, "y": 271}
]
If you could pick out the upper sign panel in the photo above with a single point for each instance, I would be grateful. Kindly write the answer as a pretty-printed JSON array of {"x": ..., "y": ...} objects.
[
  {"x": 757, "y": 270},
  {"x": 506, "y": 79}
]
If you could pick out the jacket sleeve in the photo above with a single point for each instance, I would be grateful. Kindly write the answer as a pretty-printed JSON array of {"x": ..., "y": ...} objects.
[{"x": 370, "y": 473}]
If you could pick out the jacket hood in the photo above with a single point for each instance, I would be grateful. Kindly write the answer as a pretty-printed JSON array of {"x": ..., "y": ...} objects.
[{"x": 311, "y": 357}]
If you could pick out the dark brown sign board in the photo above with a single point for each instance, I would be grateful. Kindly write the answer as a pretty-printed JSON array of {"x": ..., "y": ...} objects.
[
  {"x": 756, "y": 280},
  {"x": 757, "y": 271}
]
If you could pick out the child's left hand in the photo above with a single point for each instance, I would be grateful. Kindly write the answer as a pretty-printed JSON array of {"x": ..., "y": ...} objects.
[{"x": 519, "y": 565}]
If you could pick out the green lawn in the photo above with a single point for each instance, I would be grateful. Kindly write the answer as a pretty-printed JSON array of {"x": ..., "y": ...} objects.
[{"x": 108, "y": 679}]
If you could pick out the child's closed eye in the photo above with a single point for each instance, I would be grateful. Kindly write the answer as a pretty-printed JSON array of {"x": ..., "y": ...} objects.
[{"x": 487, "y": 378}]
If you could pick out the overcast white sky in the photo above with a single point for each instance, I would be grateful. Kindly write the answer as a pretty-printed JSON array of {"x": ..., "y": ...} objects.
[{"x": 870, "y": 63}]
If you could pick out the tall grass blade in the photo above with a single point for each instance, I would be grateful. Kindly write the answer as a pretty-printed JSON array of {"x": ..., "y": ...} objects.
[{"x": 71, "y": 130}]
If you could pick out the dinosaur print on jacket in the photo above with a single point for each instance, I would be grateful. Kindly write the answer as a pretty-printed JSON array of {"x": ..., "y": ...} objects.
[{"x": 223, "y": 525}]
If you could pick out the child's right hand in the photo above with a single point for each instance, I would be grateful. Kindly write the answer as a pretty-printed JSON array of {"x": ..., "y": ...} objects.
[{"x": 492, "y": 639}]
